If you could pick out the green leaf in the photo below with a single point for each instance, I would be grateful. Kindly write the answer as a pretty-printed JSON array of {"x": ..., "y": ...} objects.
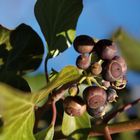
[
  {"x": 27, "y": 51},
  {"x": 46, "y": 134},
  {"x": 130, "y": 48},
  {"x": 4, "y": 37},
  {"x": 67, "y": 74},
  {"x": 50, "y": 133},
  {"x": 71, "y": 124},
  {"x": 17, "y": 110},
  {"x": 14, "y": 80},
  {"x": 21, "y": 49},
  {"x": 58, "y": 20}
]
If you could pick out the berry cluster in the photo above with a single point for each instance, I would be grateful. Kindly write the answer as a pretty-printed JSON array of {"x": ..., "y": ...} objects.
[{"x": 104, "y": 72}]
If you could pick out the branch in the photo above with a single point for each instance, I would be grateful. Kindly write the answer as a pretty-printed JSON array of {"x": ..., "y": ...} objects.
[
  {"x": 117, "y": 128},
  {"x": 118, "y": 111},
  {"x": 99, "y": 129},
  {"x": 107, "y": 133},
  {"x": 56, "y": 95}
]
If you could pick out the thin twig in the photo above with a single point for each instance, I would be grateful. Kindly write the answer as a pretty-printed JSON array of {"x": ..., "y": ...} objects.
[
  {"x": 118, "y": 111},
  {"x": 46, "y": 68},
  {"x": 54, "y": 114},
  {"x": 107, "y": 133}
]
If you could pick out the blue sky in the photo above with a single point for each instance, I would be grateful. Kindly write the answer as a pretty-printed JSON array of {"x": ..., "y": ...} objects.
[{"x": 98, "y": 19}]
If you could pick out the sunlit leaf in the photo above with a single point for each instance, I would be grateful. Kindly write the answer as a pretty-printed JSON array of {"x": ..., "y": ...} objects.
[
  {"x": 71, "y": 124},
  {"x": 17, "y": 110},
  {"x": 4, "y": 37},
  {"x": 36, "y": 82},
  {"x": 130, "y": 48},
  {"x": 67, "y": 74},
  {"x": 58, "y": 20},
  {"x": 46, "y": 134}
]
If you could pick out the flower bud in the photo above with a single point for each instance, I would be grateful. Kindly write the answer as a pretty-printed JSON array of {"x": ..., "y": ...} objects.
[
  {"x": 119, "y": 84},
  {"x": 73, "y": 90},
  {"x": 105, "y": 83},
  {"x": 111, "y": 95},
  {"x": 96, "y": 68}
]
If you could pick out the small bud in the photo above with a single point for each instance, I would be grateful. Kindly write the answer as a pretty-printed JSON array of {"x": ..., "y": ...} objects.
[
  {"x": 119, "y": 84},
  {"x": 73, "y": 90},
  {"x": 106, "y": 83},
  {"x": 96, "y": 68},
  {"x": 111, "y": 95},
  {"x": 74, "y": 106}
]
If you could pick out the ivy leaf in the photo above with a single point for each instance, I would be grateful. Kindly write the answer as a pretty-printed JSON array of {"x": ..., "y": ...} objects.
[
  {"x": 27, "y": 51},
  {"x": 17, "y": 110},
  {"x": 57, "y": 20},
  {"x": 50, "y": 133},
  {"x": 67, "y": 74},
  {"x": 71, "y": 124},
  {"x": 21, "y": 49},
  {"x": 5, "y": 37},
  {"x": 130, "y": 48},
  {"x": 46, "y": 134},
  {"x": 14, "y": 80}
]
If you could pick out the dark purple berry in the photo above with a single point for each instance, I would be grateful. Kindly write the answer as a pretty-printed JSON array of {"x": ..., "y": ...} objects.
[
  {"x": 96, "y": 68},
  {"x": 106, "y": 49},
  {"x": 122, "y": 62},
  {"x": 74, "y": 106},
  {"x": 112, "y": 71},
  {"x": 111, "y": 95},
  {"x": 94, "y": 97},
  {"x": 96, "y": 113},
  {"x": 83, "y": 62},
  {"x": 83, "y": 44}
]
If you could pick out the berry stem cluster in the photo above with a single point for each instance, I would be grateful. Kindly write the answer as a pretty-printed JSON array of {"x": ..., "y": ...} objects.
[{"x": 103, "y": 72}]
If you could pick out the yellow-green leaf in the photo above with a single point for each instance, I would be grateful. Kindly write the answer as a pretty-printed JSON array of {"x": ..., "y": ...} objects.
[
  {"x": 17, "y": 110},
  {"x": 46, "y": 134},
  {"x": 71, "y": 124},
  {"x": 67, "y": 74}
]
